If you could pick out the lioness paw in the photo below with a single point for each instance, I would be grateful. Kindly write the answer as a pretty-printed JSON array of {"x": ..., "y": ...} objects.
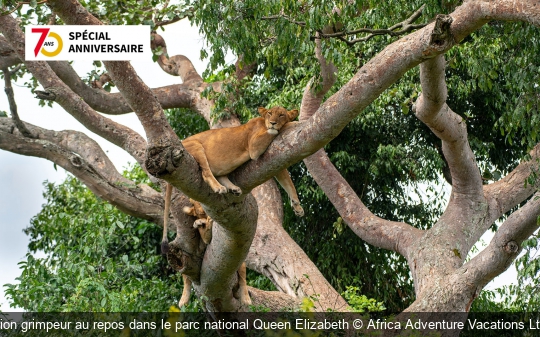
[
  {"x": 220, "y": 189},
  {"x": 298, "y": 210},
  {"x": 236, "y": 191}
]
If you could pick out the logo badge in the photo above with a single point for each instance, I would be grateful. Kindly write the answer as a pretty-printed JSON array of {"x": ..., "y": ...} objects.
[{"x": 45, "y": 33}]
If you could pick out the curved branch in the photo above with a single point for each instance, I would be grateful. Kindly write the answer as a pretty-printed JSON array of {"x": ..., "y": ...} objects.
[
  {"x": 431, "y": 109},
  {"x": 396, "y": 236},
  {"x": 274, "y": 254},
  {"x": 505, "y": 245},
  {"x": 178, "y": 65},
  {"x": 82, "y": 156},
  {"x": 512, "y": 189},
  {"x": 312, "y": 98},
  {"x": 171, "y": 96},
  {"x": 406, "y": 27}
]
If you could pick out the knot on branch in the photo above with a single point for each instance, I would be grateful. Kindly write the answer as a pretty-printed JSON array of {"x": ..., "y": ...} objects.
[
  {"x": 76, "y": 161},
  {"x": 182, "y": 262},
  {"x": 441, "y": 36},
  {"x": 47, "y": 95},
  {"x": 162, "y": 160},
  {"x": 511, "y": 247}
]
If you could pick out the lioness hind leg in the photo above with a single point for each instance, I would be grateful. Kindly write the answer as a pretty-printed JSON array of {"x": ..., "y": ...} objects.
[
  {"x": 197, "y": 151},
  {"x": 224, "y": 180},
  {"x": 284, "y": 179},
  {"x": 186, "y": 292},
  {"x": 242, "y": 286}
]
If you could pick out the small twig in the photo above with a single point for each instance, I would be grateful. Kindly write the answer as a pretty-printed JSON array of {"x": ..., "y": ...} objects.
[
  {"x": 176, "y": 18},
  {"x": 283, "y": 16},
  {"x": 12, "y": 105},
  {"x": 406, "y": 26},
  {"x": 168, "y": 22}
]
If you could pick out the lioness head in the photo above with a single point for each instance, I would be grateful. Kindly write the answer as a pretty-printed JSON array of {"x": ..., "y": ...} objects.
[{"x": 276, "y": 117}]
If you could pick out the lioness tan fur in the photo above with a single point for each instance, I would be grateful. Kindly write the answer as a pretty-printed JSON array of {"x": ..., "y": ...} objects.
[
  {"x": 221, "y": 151},
  {"x": 204, "y": 225}
]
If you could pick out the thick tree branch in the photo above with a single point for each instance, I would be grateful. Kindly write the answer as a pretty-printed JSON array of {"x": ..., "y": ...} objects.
[
  {"x": 179, "y": 65},
  {"x": 274, "y": 300},
  {"x": 8, "y": 56},
  {"x": 275, "y": 255},
  {"x": 82, "y": 156},
  {"x": 431, "y": 109},
  {"x": 116, "y": 133},
  {"x": 505, "y": 245},
  {"x": 171, "y": 96},
  {"x": 512, "y": 189},
  {"x": 467, "y": 200},
  {"x": 313, "y": 96}
]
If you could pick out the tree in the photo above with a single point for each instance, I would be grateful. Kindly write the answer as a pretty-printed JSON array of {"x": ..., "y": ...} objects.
[{"x": 267, "y": 38}]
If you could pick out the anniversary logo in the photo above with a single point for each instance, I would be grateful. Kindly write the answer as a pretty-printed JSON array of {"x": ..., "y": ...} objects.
[{"x": 107, "y": 43}]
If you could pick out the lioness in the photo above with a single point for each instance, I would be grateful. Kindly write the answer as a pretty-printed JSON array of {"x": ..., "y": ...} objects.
[
  {"x": 221, "y": 151},
  {"x": 204, "y": 225}
]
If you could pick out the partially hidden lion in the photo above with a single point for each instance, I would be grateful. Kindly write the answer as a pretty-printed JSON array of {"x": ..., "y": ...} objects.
[{"x": 204, "y": 225}]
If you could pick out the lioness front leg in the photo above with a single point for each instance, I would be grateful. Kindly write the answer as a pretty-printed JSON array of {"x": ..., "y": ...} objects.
[
  {"x": 197, "y": 151},
  {"x": 224, "y": 180},
  {"x": 284, "y": 179}
]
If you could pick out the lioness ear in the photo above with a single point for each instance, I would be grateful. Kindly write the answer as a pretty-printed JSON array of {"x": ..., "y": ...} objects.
[
  {"x": 262, "y": 111},
  {"x": 292, "y": 114}
]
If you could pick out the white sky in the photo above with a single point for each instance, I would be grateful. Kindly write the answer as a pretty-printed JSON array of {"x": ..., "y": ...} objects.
[{"x": 21, "y": 177}]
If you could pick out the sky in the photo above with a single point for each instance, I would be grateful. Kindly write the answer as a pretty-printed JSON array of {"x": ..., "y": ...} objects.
[{"x": 22, "y": 177}]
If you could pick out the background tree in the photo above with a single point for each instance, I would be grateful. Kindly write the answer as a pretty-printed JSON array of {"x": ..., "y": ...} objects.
[{"x": 277, "y": 45}]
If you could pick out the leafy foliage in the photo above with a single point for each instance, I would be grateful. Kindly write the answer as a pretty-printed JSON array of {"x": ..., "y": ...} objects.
[
  {"x": 85, "y": 255},
  {"x": 360, "y": 303}
]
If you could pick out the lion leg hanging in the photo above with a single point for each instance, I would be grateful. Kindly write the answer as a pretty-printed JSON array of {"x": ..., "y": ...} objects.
[{"x": 284, "y": 179}]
